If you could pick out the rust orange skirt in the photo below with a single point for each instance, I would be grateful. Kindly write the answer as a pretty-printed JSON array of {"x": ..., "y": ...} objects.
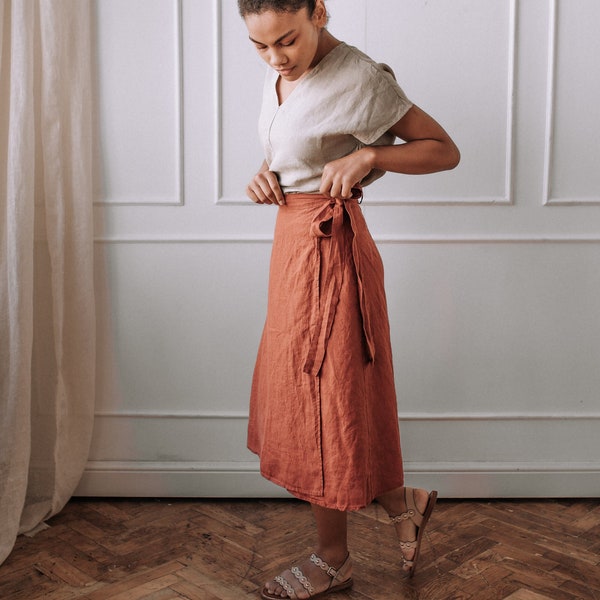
[{"x": 323, "y": 413}]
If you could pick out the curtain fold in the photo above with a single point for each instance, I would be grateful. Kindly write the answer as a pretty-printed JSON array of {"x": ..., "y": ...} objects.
[{"x": 47, "y": 312}]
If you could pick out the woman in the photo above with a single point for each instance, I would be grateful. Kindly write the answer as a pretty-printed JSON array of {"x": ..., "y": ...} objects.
[{"x": 323, "y": 413}]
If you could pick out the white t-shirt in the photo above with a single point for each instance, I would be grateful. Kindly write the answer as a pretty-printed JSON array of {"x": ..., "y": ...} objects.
[{"x": 344, "y": 103}]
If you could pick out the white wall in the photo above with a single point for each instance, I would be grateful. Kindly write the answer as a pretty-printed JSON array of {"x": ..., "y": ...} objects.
[{"x": 493, "y": 270}]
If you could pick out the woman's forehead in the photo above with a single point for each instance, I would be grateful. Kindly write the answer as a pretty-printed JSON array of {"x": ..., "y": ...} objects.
[{"x": 269, "y": 26}]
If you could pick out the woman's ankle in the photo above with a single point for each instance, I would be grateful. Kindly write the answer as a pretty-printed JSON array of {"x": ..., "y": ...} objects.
[
  {"x": 393, "y": 501},
  {"x": 334, "y": 556}
]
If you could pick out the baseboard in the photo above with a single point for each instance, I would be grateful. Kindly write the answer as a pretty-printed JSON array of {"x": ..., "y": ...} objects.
[{"x": 242, "y": 480}]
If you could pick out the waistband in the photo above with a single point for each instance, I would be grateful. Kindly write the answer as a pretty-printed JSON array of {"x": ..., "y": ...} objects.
[{"x": 294, "y": 199}]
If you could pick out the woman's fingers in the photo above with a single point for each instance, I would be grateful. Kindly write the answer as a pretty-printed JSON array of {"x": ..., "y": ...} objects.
[
  {"x": 343, "y": 174},
  {"x": 264, "y": 189}
]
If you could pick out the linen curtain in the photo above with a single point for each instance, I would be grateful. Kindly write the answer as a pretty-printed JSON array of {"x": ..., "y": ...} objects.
[{"x": 47, "y": 314}]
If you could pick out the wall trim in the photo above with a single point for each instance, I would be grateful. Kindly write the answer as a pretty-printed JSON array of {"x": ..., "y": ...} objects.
[
  {"x": 548, "y": 200},
  {"x": 379, "y": 239},
  {"x": 115, "y": 466},
  {"x": 449, "y": 416},
  {"x": 550, "y": 99},
  {"x": 218, "y": 101},
  {"x": 169, "y": 466},
  {"x": 239, "y": 480},
  {"x": 178, "y": 198}
]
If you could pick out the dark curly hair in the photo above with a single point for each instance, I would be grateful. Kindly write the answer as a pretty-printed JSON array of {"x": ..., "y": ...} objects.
[{"x": 249, "y": 7}]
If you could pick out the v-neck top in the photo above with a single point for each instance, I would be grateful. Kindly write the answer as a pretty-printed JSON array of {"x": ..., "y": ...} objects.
[{"x": 345, "y": 102}]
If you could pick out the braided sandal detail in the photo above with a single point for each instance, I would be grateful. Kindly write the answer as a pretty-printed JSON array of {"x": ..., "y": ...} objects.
[
  {"x": 420, "y": 521},
  {"x": 343, "y": 575}
]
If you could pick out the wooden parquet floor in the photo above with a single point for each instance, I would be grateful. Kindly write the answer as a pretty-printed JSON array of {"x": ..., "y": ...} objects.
[{"x": 225, "y": 550}]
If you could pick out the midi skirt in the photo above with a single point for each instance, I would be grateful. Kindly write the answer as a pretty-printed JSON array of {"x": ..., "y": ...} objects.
[{"x": 323, "y": 412}]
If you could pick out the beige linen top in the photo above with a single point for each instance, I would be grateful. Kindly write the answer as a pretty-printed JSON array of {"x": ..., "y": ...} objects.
[{"x": 344, "y": 103}]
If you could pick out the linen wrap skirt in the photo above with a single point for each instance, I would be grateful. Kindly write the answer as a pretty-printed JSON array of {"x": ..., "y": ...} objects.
[{"x": 323, "y": 412}]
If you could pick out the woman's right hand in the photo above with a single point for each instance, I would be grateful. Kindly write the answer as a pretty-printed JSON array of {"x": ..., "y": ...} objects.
[{"x": 264, "y": 188}]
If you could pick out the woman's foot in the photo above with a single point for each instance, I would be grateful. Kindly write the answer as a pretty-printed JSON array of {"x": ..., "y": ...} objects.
[
  {"x": 409, "y": 509},
  {"x": 311, "y": 578}
]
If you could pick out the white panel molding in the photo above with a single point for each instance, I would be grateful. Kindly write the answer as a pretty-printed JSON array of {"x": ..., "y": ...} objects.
[
  {"x": 506, "y": 199},
  {"x": 181, "y": 466},
  {"x": 410, "y": 467},
  {"x": 178, "y": 197},
  {"x": 243, "y": 479},
  {"x": 449, "y": 416},
  {"x": 503, "y": 467},
  {"x": 379, "y": 239},
  {"x": 550, "y": 99},
  {"x": 218, "y": 101},
  {"x": 548, "y": 200},
  {"x": 509, "y": 239}
]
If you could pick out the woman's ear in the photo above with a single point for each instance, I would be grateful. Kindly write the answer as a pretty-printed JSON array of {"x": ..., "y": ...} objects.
[{"x": 320, "y": 14}]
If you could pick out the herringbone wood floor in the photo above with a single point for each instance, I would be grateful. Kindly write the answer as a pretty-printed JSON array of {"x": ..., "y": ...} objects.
[{"x": 225, "y": 550}]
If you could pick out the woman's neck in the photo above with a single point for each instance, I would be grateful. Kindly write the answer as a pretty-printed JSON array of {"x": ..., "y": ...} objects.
[{"x": 326, "y": 44}]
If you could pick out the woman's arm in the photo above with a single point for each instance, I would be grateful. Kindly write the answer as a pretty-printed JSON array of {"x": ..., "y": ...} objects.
[
  {"x": 264, "y": 187},
  {"x": 427, "y": 149}
]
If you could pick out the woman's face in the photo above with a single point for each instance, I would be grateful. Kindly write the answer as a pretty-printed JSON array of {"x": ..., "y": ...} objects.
[{"x": 287, "y": 41}]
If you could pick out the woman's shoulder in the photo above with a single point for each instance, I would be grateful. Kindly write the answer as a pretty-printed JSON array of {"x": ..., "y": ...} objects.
[{"x": 347, "y": 60}]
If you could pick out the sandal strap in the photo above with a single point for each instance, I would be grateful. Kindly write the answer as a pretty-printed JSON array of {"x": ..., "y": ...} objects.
[
  {"x": 411, "y": 513},
  {"x": 324, "y": 566},
  {"x": 304, "y": 581},
  {"x": 284, "y": 583}
]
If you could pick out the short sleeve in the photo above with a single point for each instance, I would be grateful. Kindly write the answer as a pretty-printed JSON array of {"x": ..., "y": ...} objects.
[{"x": 380, "y": 104}]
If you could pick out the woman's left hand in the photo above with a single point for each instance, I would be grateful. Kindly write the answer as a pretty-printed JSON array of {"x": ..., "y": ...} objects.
[{"x": 341, "y": 175}]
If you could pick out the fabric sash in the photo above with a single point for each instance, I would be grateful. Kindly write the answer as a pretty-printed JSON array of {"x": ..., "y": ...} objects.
[{"x": 328, "y": 223}]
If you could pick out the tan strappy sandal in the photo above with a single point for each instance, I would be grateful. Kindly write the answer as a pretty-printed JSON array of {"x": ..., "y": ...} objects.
[
  {"x": 343, "y": 577},
  {"x": 420, "y": 520}
]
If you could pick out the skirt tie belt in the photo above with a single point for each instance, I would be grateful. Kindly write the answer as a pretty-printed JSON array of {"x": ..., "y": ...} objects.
[{"x": 329, "y": 223}]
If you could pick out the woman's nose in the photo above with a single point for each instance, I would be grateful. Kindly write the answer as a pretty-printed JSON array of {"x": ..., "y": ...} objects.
[{"x": 278, "y": 59}]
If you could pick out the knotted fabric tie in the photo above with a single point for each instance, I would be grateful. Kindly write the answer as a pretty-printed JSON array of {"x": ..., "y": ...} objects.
[{"x": 329, "y": 223}]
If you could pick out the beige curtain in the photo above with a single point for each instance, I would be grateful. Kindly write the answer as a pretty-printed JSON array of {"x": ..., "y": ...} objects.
[{"x": 47, "y": 319}]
